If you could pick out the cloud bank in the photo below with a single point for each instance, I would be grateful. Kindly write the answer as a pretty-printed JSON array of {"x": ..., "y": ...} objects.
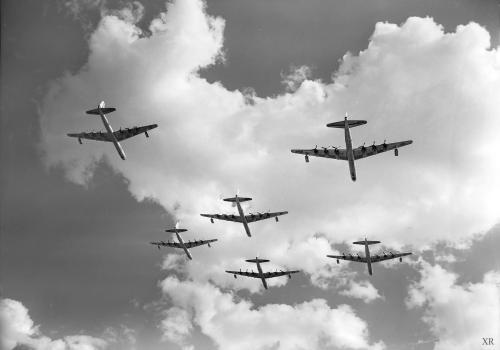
[
  {"x": 235, "y": 324},
  {"x": 413, "y": 81},
  {"x": 460, "y": 316},
  {"x": 18, "y": 329}
]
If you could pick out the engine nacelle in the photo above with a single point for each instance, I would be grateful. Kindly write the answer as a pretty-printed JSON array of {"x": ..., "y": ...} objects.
[
  {"x": 400, "y": 259},
  {"x": 235, "y": 276},
  {"x": 338, "y": 262},
  {"x": 146, "y": 133},
  {"x": 80, "y": 140},
  {"x": 307, "y": 158},
  {"x": 396, "y": 152},
  {"x": 208, "y": 245},
  {"x": 276, "y": 218},
  {"x": 211, "y": 220},
  {"x": 289, "y": 276}
]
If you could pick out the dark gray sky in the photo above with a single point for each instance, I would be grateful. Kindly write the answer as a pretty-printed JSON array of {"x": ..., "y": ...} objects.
[{"x": 77, "y": 257}]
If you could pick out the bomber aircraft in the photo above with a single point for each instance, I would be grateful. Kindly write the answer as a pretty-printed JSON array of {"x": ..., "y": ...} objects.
[
  {"x": 350, "y": 154},
  {"x": 181, "y": 244},
  {"x": 244, "y": 219},
  {"x": 368, "y": 259},
  {"x": 262, "y": 275},
  {"x": 109, "y": 135}
]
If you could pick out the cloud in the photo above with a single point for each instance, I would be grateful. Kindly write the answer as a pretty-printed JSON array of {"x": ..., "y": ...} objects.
[
  {"x": 131, "y": 12},
  {"x": 295, "y": 77},
  {"x": 176, "y": 326},
  {"x": 459, "y": 315},
  {"x": 363, "y": 290},
  {"x": 18, "y": 329},
  {"x": 235, "y": 324},
  {"x": 412, "y": 81}
]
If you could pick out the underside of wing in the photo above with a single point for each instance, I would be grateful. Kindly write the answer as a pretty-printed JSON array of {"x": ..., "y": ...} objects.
[
  {"x": 244, "y": 273},
  {"x": 126, "y": 133},
  {"x": 367, "y": 151},
  {"x": 278, "y": 273},
  {"x": 382, "y": 257},
  {"x": 95, "y": 136},
  {"x": 349, "y": 257},
  {"x": 226, "y": 217},
  {"x": 192, "y": 244},
  {"x": 167, "y": 244},
  {"x": 333, "y": 153},
  {"x": 263, "y": 216}
]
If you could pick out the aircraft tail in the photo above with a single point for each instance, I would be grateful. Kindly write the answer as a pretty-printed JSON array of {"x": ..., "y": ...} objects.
[
  {"x": 237, "y": 199},
  {"x": 341, "y": 124},
  {"x": 366, "y": 242},
  {"x": 257, "y": 260},
  {"x": 101, "y": 109}
]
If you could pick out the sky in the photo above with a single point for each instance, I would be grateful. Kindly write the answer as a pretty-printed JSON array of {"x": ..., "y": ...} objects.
[{"x": 234, "y": 85}]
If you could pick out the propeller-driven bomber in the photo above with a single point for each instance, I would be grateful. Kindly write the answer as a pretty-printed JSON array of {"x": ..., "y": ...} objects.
[
  {"x": 260, "y": 274},
  {"x": 242, "y": 218},
  {"x": 181, "y": 244},
  {"x": 351, "y": 154},
  {"x": 109, "y": 135},
  {"x": 368, "y": 259}
]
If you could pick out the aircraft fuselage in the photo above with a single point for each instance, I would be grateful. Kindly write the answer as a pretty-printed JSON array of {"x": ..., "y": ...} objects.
[
  {"x": 368, "y": 258},
  {"x": 243, "y": 218},
  {"x": 261, "y": 273},
  {"x": 109, "y": 129},
  {"x": 350, "y": 153},
  {"x": 183, "y": 246}
]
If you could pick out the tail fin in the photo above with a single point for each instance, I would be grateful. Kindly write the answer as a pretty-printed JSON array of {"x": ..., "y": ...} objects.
[
  {"x": 101, "y": 109},
  {"x": 366, "y": 242},
  {"x": 257, "y": 260},
  {"x": 237, "y": 199},
  {"x": 350, "y": 123}
]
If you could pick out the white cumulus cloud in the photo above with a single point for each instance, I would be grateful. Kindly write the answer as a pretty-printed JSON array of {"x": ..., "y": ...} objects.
[
  {"x": 17, "y": 328},
  {"x": 460, "y": 316},
  {"x": 240, "y": 325},
  {"x": 412, "y": 81},
  {"x": 363, "y": 290}
]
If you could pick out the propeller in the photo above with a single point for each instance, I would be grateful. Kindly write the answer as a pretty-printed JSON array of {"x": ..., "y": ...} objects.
[
  {"x": 315, "y": 149},
  {"x": 335, "y": 149}
]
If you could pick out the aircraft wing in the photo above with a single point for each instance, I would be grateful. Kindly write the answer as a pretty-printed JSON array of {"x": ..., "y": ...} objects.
[
  {"x": 167, "y": 244},
  {"x": 349, "y": 257},
  {"x": 226, "y": 217},
  {"x": 126, "y": 133},
  {"x": 377, "y": 258},
  {"x": 366, "y": 151},
  {"x": 334, "y": 153},
  {"x": 257, "y": 217},
  {"x": 96, "y": 136},
  {"x": 267, "y": 275},
  {"x": 245, "y": 273},
  {"x": 192, "y": 244}
]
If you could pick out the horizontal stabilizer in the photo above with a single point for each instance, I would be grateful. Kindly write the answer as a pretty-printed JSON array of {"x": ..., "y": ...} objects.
[
  {"x": 351, "y": 123},
  {"x": 176, "y": 230},
  {"x": 237, "y": 199},
  {"x": 366, "y": 242},
  {"x": 98, "y": 111},
  {"x": 257, "y": 260}
]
